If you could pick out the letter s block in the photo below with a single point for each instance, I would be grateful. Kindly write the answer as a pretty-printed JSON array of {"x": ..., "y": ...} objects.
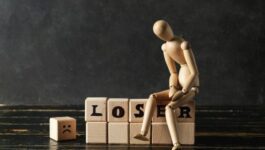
[
  {"x": 118, "y": 110},
  {"x": 136, "y": 112},
  {"x": 96, "y": 109}
]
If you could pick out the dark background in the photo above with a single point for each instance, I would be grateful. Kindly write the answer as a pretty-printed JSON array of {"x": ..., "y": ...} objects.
[{"x": 61, "y": 51}]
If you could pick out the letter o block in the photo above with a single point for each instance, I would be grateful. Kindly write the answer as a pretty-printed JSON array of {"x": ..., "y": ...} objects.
[
  {"x": 118, "y": 110},
  {"x": 96, "y": 109}
]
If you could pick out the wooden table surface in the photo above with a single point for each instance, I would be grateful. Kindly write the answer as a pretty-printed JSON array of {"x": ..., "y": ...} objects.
[{"x": 27, "y": 127}]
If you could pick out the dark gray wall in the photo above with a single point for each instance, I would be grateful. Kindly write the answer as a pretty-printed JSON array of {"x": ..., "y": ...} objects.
[{"x": 60, "y": 51}]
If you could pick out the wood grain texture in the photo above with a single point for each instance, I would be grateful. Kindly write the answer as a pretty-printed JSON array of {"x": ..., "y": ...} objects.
[
  {"x": 186, "y": 133},
  {"x": 134, "y": 129},
  {"x": 96, "y": 132},
  {"x": 160, "y": 133},
  {"x": 233, "y": 127},
  {"x": 118, "y": 133}
]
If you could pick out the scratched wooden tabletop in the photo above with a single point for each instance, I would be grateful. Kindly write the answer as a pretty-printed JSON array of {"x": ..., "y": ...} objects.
[{"x": 27, "y": 127}]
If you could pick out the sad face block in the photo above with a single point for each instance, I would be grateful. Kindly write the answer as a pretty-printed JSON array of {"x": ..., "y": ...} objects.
[
  {"x": 62, "y": 128},
  {"x": 118, "y": 110}
]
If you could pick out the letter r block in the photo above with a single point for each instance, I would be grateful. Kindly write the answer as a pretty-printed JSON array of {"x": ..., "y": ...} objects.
[
  {"x": 186, "y": 112},
  {"x": 96, "y": 109},
  {"x": 118, "y": 110},
  {"x": 136, "y": 110}
]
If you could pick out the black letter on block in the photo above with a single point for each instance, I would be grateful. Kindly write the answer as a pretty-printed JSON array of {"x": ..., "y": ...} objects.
[
  {"x": 184, "y": 112},
  {"x": 118, "y": 112},
  {"x": 94, "y": 113},
  {"x": 161, "y": 110},
  {"x": 141, "y": 113}
]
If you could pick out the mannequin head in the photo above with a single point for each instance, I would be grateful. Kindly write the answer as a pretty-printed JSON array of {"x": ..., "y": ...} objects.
[{"x": 162, "y": 30}]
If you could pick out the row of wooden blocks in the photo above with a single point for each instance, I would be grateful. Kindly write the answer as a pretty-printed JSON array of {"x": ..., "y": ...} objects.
[{"x": 118, "y": 120}]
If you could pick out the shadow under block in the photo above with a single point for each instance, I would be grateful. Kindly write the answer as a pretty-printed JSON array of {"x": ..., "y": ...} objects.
[
  {"x": 160, "y": 133},
  {"x": 96, "y": 132},
  {"x": 134, "y": 129},
  {"x": 62, "y": 128},
  {"x": 118, "y": 133},
  {"x": 118, "y": 110},
  {"x": 96, "y": 109},
  {"x": 186, "y": 133},
  {"x": 136, "y": 110}
]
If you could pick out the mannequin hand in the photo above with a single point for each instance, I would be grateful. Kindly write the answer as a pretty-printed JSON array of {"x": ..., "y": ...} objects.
[
  {"x": 171, "y": 104},
  {"x": 177, "y": 95},
  {"x": 172, "y": 91},
  {"x": 184, "y": 91}
]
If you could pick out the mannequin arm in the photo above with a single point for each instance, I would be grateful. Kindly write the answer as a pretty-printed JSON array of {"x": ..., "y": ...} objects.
[
  {"x": 173, "y": 79},
  {"x": 187, "y": 51}
]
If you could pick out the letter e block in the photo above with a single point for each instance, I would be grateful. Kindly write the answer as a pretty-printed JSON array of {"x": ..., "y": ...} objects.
[
  {"x": 118, "y": 110},
  {"x": 62, "y": 128},
  {"x": 159, "y": 113},
  {"x": 96, "y": 132},
  {"x": 96, "y": 109},
  {"x": 136, "y": 110},
  {"x": 160, "y": 133},
  {"x": 118, "y": 133}
]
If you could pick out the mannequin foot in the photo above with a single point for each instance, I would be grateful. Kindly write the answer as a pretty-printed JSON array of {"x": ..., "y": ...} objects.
[
  {"x": 141, "y": 137},
  {"x": 176, "y": 146}
]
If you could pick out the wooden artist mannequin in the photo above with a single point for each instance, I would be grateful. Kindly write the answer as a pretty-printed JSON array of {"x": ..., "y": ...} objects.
[{"x": 183, "y": 84}]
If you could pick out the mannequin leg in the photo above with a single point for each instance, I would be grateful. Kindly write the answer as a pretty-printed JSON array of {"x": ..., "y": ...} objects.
[
  {"x": 149, "y": 111},
  {"x": 171, "y": 123},
  {"x": 171, "y": 117}
]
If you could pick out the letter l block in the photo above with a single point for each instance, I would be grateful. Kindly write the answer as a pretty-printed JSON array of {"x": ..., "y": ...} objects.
[{"x": 96, "y": 109}]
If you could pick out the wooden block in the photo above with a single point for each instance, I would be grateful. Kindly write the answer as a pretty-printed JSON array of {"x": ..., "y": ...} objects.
[
  {"x": 96, "y": 109},
  {"x": 62, "y": 128},
  {"x": 136, "y": 110},
  {"x": 96, "y": 132},
  {"x": 118, "y": 133},
  {"x": 186, "y": 112},
  {"x": 186, "y": 133},
  {"x": 118, "y": 110},
  {"x": 134, "y": 129},
  {"x": 159, "y": 113},
  {"x": 160, "y": 133}
]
